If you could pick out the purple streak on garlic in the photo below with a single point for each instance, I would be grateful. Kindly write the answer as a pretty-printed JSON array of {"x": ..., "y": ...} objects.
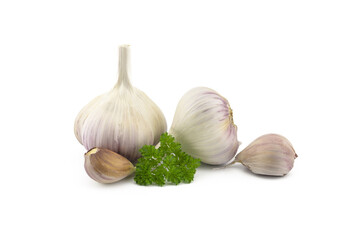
[
  {"x": 121, "y": 120},
  {"x": 270, "y": 154},
  {"x": 203, "y": 125}
]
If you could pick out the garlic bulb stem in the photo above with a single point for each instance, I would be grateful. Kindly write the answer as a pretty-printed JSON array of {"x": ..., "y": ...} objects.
[{"x": 124, "y": 66}]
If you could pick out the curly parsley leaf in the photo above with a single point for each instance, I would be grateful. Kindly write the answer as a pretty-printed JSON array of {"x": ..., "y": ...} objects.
[{"x": 166, "y": 165}]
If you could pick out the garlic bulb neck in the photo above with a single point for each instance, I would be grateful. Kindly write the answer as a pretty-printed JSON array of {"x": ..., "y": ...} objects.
[{"x": 124, "y": 67}]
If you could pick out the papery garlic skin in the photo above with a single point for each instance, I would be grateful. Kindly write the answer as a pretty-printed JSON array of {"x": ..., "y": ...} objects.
[
  {"x": 121, "y": 120},
  {"x": 270, "y": 154},
  {"x": 203, "y": 125},
  {"x": 105, "y": 166}
]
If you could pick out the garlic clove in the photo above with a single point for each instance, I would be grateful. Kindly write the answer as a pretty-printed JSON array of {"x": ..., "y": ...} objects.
[
  {"x": 105, "y": 166},
  {"x": 270, "y": 154},
  {"x": 203, "y": 125}
]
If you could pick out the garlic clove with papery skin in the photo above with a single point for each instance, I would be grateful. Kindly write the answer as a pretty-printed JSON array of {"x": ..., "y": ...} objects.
[
  {"x": 105, "y": 166},
  {"x": 270, "y": 154},
  {"x": 203, "y": 125},
  {"x": 121, "y": 120}
]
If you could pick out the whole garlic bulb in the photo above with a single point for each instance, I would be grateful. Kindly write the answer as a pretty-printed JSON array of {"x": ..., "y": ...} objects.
[
  {"x": 270, "y": 154},
  {"x": 203, "y": 125},
  {"x": 121, "y": 120}
]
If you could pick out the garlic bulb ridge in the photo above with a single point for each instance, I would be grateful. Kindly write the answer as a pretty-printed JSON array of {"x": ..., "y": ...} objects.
[
  {"x": 121, "y": 120},
  {"x": 203, "y": 125}
]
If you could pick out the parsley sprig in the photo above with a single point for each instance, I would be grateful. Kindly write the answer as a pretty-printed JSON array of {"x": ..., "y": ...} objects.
[{"x": 165, "y": 165}]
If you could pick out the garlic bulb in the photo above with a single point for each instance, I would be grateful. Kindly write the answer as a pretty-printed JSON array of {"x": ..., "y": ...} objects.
[
  {"x": 105, "y": 166},
  {"x": 270, "y": 154},
  {"x": 121, "y": 120},
  {"x": 203, "y": 125}
]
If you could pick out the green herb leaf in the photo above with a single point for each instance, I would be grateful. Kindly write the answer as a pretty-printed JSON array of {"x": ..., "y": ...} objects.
[{"x": 165, "y": 165}]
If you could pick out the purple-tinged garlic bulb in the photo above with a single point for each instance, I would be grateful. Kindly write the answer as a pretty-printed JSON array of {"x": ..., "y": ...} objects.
[
  {"x": 121, "y": 120},
  {"x": 270, "y": 154},
  {"x": 203, "y": 125}
]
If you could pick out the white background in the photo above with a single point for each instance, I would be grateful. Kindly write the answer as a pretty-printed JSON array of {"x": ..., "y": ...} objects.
[{"x": 288, "y": 67}]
